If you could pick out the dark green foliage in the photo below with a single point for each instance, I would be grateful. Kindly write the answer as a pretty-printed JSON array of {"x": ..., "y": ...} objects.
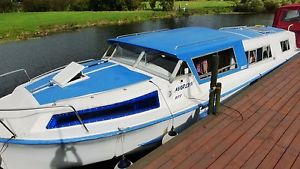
[
  {"x": 260, "y": 5},
  {"x": 6, "y": 6},
  {"x": 36, "y": 5},
  {"x": 133, "y": 4},
  {"x": 114, "y": 5},
  {"x": 79, "y": 5},
  {"x": 167, "y": 5},
  {"x": 152, "y": 4},
  {"x": 271, "y": 5}
]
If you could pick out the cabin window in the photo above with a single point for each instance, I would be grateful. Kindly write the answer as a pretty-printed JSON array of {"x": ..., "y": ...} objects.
[
  {"x": 127, "y": 54},
  {"x": 130, "y": 107},
  {"x": 158, "y": 63},
  {"x": 259, "y": 54},
  {"x": 154, "y": 62},
  {"x": 285, "y": 45},
  {"x": 227, "y": 62},
  {"x": 184, "y": 69},
  {"x": 291, "y": 16}
]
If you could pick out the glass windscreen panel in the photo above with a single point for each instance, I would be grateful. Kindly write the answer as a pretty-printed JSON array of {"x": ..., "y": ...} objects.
[
  {"x": 154, "y": 62},
  {"x": 291, "y": 16}
]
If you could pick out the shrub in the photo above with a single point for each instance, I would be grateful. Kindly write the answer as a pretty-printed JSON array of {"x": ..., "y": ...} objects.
[
  {"x": 271, "y": 5},
  {"x": 255, "y": 5},
  {"x": 6, "y": 6},
  {"x": 36, "y": 5},
  {"x": 79, "y": 5},
  {"x": 152, "y": 4},
  {"x": 58, "y": 5},
  {"x": 167, "y": 5},
  {"x": 133, "y": 4}
]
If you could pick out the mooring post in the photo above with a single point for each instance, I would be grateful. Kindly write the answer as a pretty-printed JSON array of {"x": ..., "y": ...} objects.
[
  {"x": 213, "y": 82},
  {"x": 218, "y": 98}
]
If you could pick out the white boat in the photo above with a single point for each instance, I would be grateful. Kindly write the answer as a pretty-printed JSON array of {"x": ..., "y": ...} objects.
[{"x": 145, "y": 84}]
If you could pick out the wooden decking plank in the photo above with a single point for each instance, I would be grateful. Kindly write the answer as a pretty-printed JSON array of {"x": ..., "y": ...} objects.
[
  {"x": 253, "y": 145},
  {"x": 240, "y": 144},
  {"x": 256, "y": 123},
  {"x": 290, "y": 155},
  {"x": 176, "y": 161},
  {"x": 280, "y": 147},
  {"x": 165, "y": 157},
  {"x": 267, "y": 137},
  {"x": 296, "y": 163},
  {"x": 257, "y": 105},
  {"x": 263, "y": 150}
]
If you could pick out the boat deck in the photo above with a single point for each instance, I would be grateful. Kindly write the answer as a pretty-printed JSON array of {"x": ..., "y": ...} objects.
[{"x": 258, "y": 128}]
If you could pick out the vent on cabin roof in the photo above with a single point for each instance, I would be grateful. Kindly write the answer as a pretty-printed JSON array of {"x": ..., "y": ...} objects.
[{"x": 69, "y": 75}]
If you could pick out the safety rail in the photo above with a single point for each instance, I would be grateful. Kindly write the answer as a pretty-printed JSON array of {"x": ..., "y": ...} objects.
[
  {"x": 42, "y": 108},
  {"x": 198, "y": 43},
  {"x": 59, "y": 68},
  {"x": 141, "y": 33},
  {"x": 15, "y": 71},
  {"x": 221, "y": 70}
]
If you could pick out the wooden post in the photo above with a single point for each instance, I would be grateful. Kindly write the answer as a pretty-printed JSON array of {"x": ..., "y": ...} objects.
[
  {"x": 218, "y": 98},
  {"x": 213, "y": 82}
]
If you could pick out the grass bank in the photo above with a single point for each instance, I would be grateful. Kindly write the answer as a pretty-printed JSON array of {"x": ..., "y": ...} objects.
[
  {"x": 205, "y": 7},
  {"x": 24, "y": 25},
  {"x": 14, "y": 26}
]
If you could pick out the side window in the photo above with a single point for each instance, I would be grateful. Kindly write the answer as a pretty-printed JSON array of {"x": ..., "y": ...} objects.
[
  {"x": 285, "y": 45},
  {"x": 291, "y": 16},
  {"x": 184, "y": 69},
  {"x": 267, "y": 52},
  {"x": 252, "y": 56},
  {"x": 258, "y": 54},
  {"x": 227, "y": 61}
]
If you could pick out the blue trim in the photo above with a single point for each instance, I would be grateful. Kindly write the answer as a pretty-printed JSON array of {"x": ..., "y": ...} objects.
[
  {"x": 100, "y": 81},
  {"x": 117, "y": 110}
]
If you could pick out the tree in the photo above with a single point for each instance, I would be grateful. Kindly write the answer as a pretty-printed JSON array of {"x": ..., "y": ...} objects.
[
  {"x": 152, "y": 4},
  {"x": 167, "y": 5}
]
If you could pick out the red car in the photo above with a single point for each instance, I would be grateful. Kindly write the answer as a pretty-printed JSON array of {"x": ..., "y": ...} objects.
[{"x": 288, "y": 17}]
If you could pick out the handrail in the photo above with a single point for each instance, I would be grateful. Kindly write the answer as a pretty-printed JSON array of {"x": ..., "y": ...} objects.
[
  {"x": 50, "y": 107},
  {"x": 15, "y": 71},
  {"x": 59, "y": 68},
  {"x": 141, "y": 33},
  {"x": 219, "y": 70},
  {"x": 289, "y": 27},
  {"x": 198, "y": 42}
]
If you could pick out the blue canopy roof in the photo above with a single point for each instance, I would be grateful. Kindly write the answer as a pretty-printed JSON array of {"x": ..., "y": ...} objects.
[{"x": 188, "y": 42}]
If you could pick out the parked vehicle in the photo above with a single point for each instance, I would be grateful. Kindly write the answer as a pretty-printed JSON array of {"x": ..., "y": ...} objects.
[{"x": 288, "y": 17}]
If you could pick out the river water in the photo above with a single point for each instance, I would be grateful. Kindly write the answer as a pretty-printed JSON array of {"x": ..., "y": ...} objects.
[{"x": 43, "y": 54}]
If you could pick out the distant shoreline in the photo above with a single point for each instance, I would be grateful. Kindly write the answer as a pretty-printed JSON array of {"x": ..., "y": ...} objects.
[{"x": 27, "y": 25}]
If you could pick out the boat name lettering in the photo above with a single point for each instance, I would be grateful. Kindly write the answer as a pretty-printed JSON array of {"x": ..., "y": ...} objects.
[
  {"x": 178, "y": 96},
  {"x": 183, "y": 86}
]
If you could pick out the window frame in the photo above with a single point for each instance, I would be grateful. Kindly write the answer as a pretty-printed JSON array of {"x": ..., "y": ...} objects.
[
  {"x": 208, "y": 75},
  {"x": 256, "y": 54}
]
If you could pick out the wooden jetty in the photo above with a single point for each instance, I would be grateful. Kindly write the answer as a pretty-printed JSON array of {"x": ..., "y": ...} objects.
[{"x": 257, "y": 128}]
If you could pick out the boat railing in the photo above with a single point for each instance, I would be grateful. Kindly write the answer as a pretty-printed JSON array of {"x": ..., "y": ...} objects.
[
  {"x": 20, "y": 115},
  {"x": 141, "y": 33},
  {"x": 15, "y": 71},
  {"x": 59, "y": 68},
  {"x": 233, "y": 27},
  {"x": 197, "y": 43},
  {"x": 221, "y": 70}
]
